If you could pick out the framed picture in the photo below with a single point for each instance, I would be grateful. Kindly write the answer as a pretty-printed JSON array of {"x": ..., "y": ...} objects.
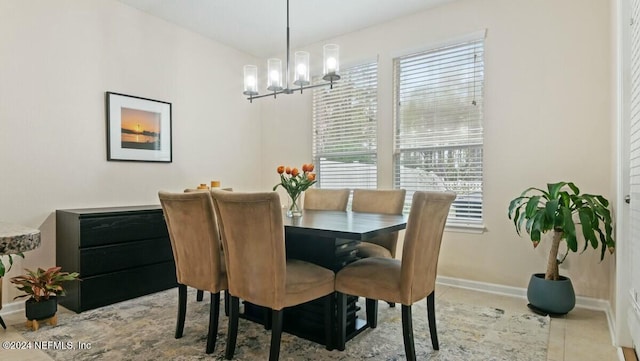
[{"x": 138, "y": 129}]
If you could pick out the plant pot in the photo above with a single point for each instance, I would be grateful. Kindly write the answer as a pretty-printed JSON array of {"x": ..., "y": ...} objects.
[
  {"x": 551, "y": 297},
  {"x": 41, "y": 310}
]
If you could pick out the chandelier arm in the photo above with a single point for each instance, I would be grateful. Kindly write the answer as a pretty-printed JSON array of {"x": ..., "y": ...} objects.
[{"x": 289, "y": 91}]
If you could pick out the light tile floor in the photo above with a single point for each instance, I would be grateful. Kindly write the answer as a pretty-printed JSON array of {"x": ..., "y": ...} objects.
[{"x": 582, "y": 335}]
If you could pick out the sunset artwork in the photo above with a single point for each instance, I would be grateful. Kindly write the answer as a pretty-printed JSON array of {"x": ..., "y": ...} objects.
[{"x": 140, "y": 129}]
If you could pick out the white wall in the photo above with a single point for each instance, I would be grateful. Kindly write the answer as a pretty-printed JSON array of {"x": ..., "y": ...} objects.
[
  {"x": 548, "y": 117},
  {"x": 57, "y": 59}
]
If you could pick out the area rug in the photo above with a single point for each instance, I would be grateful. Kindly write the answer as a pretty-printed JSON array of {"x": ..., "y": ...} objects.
[{"x": 143, "y": 329}]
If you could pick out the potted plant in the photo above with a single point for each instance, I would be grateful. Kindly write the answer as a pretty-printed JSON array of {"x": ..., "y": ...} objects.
[
  {"x": 42, "y": 287},
  {"x": 560, "y": 210}
]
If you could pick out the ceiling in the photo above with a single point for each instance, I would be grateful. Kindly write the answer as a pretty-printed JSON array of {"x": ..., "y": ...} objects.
[{"x": 258, "y": 27}]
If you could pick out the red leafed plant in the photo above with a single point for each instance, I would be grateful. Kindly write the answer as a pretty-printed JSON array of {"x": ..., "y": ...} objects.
[{"x": 41, "y": 284}]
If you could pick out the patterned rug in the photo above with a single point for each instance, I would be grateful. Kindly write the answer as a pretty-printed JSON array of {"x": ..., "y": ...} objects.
[{"x": 143, "y": 328}]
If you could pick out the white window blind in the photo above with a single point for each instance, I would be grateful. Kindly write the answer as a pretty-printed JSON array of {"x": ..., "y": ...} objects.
[
  {"x": 438, "y": 124},
  {"x": 344, "y": 130}
]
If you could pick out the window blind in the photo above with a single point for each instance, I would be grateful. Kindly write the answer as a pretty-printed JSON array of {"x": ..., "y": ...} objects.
[
  {"x": 345, "y": 128},
  {"x": 438, "y": 98}
]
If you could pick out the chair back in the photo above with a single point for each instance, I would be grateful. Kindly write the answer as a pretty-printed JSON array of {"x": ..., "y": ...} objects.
[
  {"x": 384, "y": 201},
  {"x": 389, "y": 201},
  {"x": 422, "y": 239},
  {"x": 326, "y": 199},
  {"x": 195, "y": 241},
  {"x": 253, "y": 237}
]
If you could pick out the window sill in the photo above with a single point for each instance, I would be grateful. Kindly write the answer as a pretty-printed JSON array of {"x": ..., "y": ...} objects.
[{"x": 465, "y": 228}]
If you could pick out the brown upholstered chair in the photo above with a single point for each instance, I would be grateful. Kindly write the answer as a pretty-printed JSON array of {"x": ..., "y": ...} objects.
[
  {"x": 195, "y": 242},
  {"x": 200, "y": 293},
  {"x": 384, "y": 202},
  {"x": 259, "y": 273},
  {"x": 406, "y": 281},
  {"x": 326, "y": 199}
]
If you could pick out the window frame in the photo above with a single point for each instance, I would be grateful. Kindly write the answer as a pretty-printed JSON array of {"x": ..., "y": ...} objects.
[{"x": 474, "y": 221}]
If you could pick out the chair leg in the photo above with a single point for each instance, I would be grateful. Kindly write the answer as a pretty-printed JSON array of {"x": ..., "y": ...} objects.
[
  {"x": 182, "y": 309},
  {"x": 2, "y": 322},
  {"x": 232, "y": 332},
  {"x": 214, "y": 315},
  {"x": 431, "y": 315},
  {"x": 268, "y": 319},
  {"x": 341, "y": 300},
  {"x": 407, "y": 333},
  {"x": 329, "y": 326},
  {"x": 199, "y": 295},
  {"x": 226, "y": 303},
  {"x": 372, "y": 312},
  {"x": 276, "y": 334}
]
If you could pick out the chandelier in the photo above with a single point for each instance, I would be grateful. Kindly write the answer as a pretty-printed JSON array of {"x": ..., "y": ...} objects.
[{"x": 301, "y": 78}]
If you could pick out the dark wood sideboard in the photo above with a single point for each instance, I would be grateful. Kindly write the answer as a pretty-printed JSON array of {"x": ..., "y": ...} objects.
[{"x": 120, "y": 253}]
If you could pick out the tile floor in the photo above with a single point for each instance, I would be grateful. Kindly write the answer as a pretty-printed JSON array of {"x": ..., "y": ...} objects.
[{"x": 582, "y": 335}]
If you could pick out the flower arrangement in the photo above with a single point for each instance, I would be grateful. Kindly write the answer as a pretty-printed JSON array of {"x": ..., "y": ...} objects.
[{"x": 295, "y": 182}]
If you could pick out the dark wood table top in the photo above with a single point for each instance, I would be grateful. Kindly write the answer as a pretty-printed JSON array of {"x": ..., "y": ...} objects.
[{"x": 348, "y": 225}]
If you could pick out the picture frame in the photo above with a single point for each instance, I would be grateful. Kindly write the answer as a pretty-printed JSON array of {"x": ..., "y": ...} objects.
[{"x": 138, "y": 129}]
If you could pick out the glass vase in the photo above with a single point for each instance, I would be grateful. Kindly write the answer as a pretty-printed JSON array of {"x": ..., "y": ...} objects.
[{"x": 294, "y": 209}]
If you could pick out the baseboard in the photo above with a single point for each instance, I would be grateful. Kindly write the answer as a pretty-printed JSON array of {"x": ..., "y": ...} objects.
[{"x": 11, "y": 308}]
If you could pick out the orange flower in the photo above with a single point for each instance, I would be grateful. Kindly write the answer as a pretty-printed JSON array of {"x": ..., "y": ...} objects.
[
  {"x": 295, "y": 172},
  {"x": 310, "y": 167},
  {"x": 281, "y": 169},
  {"x": 304, "y": 168},
  {"x": 311, "y": 176},
  {"x": 287, "y": 170}
]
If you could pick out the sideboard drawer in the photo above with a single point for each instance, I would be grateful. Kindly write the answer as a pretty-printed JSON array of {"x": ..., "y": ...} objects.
[
  {"x": 115, "y": 287},
  {"x": 98, "y": 231},
  {"x": 104, "y": 259}
]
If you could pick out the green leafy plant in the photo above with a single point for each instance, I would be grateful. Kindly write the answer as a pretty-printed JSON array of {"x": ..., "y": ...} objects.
[
  {"x": 3, "y": 268},
  {"x": 41, "y": 284},
  {"x": 559, "y": 209}
]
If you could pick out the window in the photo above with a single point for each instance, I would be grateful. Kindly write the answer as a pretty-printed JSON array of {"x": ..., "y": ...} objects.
[
  {"x": 344, "y": 130},
  {"x": 438, "y": 125}
]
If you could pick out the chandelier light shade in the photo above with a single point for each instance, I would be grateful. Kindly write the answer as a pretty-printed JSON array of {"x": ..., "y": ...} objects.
[
  {"x": 301, "y": 76},
  {"x": 331, "y": 55},
  {"x": 301, "y": 61},
  {"x": 274, "y": 75},
  {"x": 250, "y": 80}
]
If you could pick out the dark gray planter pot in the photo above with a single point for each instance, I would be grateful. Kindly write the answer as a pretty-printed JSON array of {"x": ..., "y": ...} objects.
[
  {"x": 552, "y": 297},
  {"x": 40, "y": 310}
]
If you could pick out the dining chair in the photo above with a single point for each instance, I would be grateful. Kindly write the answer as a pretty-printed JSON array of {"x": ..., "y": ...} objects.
[
  {"x": 403, "y": 281},
  {"x": 384, "y": 202},
  {"x": 326, "y": 199},
  {"x": 195, "y": 241},
  {"x": 200, "y": 293},
  {"x": 257, "y": 268}
]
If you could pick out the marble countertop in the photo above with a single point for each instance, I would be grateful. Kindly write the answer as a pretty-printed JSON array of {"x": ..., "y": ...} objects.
[{"x": 15, "y": 238}]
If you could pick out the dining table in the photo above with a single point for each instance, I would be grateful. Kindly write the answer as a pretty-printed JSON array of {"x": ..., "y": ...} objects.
[{"x": 328, "y": 239}]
